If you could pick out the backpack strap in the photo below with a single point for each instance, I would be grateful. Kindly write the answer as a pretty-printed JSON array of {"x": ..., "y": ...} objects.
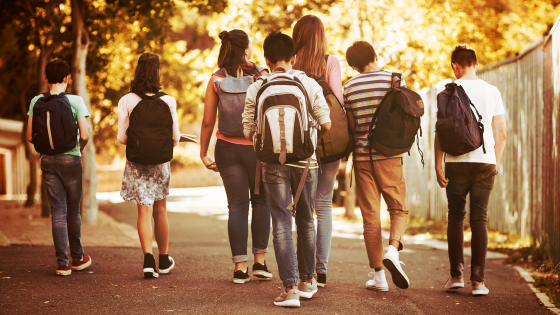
[
  {"x": 160, "y": 94},
  {"x": 480, "y": 125},
  {"x": 283, "y": 147},
  {"x": 396, "y": 79},
  {"x": 292, "y": 206}
]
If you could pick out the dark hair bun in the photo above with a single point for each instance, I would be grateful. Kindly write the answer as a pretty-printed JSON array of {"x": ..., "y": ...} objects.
[{"x": 224, "y": 35}]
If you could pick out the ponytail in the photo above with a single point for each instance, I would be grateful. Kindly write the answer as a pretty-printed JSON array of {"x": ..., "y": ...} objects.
[{"x": 232, "y": 53}]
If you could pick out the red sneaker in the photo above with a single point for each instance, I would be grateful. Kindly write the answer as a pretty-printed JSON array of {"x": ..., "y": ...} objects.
[
  {"x": 81, "y": 264},
  {"x": 63, "y": 270}
]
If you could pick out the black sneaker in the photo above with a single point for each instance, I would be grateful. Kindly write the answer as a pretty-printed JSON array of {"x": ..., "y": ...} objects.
[
  {"x": 166, "y": 263},
  {"x": 261, "y": 271},
  {"x": 150, "y": 270},
  {"x": 241, "y": 276},
  {"x": 321, "y": 280}
]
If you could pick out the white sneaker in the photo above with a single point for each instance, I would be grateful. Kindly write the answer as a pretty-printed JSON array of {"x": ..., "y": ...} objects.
[
  {"x": 454, "y": 284},
  {"x": 378, "y": 282},
  {"x": 478, "y": 288},
  {"x": 289, "y": 299},
  {"x": 392, "y": 263},
  {"x": 306, "y": 290}
]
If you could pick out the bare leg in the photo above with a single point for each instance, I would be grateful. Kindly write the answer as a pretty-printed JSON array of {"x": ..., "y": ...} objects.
[
  {"x": 241, "y": 266},
  {"x": 260, "y": 258},
  {"x": 161, "y": 225},
  {"x": 144, "y": 226}
]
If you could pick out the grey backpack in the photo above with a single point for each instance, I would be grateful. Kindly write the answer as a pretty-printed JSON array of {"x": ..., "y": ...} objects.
[{"x": 232, "y": 92}]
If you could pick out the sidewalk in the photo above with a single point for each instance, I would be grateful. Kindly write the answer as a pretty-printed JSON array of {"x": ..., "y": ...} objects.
[{"x": 25, "y": 226}]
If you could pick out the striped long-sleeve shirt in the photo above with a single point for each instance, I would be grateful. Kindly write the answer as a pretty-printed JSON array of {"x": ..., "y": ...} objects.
[{"x": 362, "y": 95}]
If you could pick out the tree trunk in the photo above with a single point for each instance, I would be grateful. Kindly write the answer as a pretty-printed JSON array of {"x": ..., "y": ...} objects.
[
  {"x": 350, "y": 197},
  {"x": 43, "y": 87},
  {"x": 29, "y": 153},
  {"x": 81, "y": 43}
]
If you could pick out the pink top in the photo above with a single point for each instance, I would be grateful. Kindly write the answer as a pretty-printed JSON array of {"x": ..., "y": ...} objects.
[
  {"x": 334, "y": 77},
  {"x": 127, "y": 104}
]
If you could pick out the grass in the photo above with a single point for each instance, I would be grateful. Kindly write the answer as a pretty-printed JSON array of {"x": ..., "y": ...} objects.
[{"x": 549, "y": 284}]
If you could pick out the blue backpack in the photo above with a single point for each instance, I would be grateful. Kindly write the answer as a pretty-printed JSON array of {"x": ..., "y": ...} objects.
[{"x": 54, "y": 129}]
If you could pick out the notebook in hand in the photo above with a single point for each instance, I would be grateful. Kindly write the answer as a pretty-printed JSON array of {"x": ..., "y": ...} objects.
[{"x": 188, "y": 138}]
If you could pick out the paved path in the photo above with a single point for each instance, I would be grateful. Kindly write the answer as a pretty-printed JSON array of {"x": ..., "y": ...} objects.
[
  {"x": 25, "y": 226},
  {"x": 201, "y": 282}
]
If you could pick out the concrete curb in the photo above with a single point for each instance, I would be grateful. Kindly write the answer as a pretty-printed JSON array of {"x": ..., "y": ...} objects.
[{"x": 545, "y": 300}]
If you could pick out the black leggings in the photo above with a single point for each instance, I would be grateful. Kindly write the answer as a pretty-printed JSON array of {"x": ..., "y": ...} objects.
[{"x": 478, "y": 180}]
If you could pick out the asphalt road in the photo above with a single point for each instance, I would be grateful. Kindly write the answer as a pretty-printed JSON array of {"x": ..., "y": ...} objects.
[{"x": 201, "y": 282}]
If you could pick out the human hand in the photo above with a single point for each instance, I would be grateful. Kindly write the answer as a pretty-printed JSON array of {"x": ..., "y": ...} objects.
[
  {"x": 209, "y": 163},
  {"x": 442, "y": 181}
]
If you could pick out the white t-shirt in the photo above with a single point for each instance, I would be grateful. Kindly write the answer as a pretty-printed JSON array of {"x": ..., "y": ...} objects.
[{"x": 488, "y": 101}]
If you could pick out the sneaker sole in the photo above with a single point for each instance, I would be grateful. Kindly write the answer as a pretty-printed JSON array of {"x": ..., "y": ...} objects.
[
  {"x": 82, "y": 267},
  {"x": 399, "y": 277},
  {"x": 455, "y": 287},
  {"x": 288, "y": 303},
  {"x": 240, "y": 281},
  {"x": 378, "y": 289},
  {"x": 307, "y": 295},
  {"x": 262, "y": 274},
  {"x": 150, "y": 273},
  {"x": 165, "y": 271},
  {"x": 321, "y": 285},
  {"x": 63, "y": 273},
  {"x": 480, "y": 292}
]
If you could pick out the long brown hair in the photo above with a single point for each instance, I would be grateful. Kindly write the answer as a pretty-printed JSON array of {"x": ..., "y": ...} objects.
[
  {"x": 232, "y": 53},
  {"x": 146, "y": 76},
  {"x": 311, "y": 46}
]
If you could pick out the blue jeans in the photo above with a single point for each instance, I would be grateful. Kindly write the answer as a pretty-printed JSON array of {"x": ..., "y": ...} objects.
[
  {"x": 62, "y": 175},
  {"x": 237, "y": 164},
  {"x": 280, "y": 182},
  {"x": 323, "y": 209}
]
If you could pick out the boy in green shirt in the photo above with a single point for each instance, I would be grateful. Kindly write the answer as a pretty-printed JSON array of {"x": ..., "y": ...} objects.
[{"x": 62, "y": 173}]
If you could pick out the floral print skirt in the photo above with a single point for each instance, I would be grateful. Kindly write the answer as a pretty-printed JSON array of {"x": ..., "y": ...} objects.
[{"x": 145, "y": 183}]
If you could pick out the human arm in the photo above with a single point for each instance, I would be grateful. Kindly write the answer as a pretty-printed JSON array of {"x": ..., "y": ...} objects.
[
  {"x": 442, "y": 181},
  {"x": 499, "y": 123},
  {"x": 334, "y": 77},
  {"x": 84, "y": 134},
  {"x": 324, "y": 129},
  {"x": 30, "y": 129},
  {"x": 173, "y": 108},
  {"x": 122, "y": 121},
  {"x": 208, "y": 123},
  {"x": 249, "y": 111},
  {"x": 351, "y": 121}
]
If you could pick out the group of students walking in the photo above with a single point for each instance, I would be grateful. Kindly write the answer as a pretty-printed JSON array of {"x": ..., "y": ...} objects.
[{"x": 280, "y": 140}]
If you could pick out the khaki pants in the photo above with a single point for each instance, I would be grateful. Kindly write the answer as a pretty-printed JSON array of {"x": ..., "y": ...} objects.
[{"x": 385, "y": 178}]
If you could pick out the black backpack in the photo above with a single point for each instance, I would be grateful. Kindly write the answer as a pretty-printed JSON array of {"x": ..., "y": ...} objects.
[
  {"x": 150, "y": 132},
  {"x": 338, "y": 142},
  {"x": 458, "y": 128},
  {"x": 54, "y": 129},
  {"x": 396, "y": 120}
]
